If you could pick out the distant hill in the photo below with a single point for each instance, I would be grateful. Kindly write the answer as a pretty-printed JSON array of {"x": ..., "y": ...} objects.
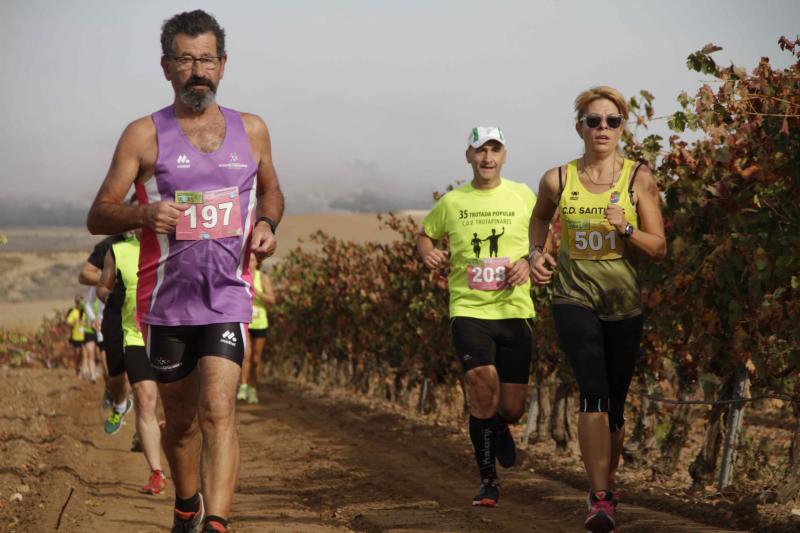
[{"x": 30, "y": 212}]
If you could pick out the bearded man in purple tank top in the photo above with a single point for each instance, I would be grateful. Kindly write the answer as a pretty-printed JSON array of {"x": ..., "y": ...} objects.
[{"x": 208, "y": 195}]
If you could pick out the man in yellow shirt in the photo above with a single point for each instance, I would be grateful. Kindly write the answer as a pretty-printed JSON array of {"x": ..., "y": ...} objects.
[{"x": 491, "y": 310}]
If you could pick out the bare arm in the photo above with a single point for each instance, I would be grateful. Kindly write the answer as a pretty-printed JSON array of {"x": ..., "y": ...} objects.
[
  {"x": 541, "y": 261},
  {"x": 269, "y": 198},
  {"x": 108, "y": 276},
  {"x": 89, "y": 274},
  {"x": 649, "y": 238},
  {"x": 134, "y": 159}
]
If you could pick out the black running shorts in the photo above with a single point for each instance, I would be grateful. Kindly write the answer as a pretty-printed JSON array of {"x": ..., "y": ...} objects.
[
  {"x": 175, "y": 350},
  {"x": 507, "y": 344},
  {"x": 258, "y": 333},
  {"x": 112, "y": 342},
  {"x": 89, "y": 337},
  {"x": 137, "y": 365}
]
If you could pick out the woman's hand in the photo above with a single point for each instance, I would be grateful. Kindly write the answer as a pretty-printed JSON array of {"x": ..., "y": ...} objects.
[{"x": 615, "y": 215}]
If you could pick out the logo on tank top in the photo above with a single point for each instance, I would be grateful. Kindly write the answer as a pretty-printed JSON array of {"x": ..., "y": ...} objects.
[
  {"x": 183, "y": 161},
  {"x": 574, "y": 195},
  {"x": 615, "y": 197},
  {"x": 233, "y": 162}
]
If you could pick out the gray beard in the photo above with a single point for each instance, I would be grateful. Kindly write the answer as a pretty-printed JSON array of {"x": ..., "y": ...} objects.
[{"x": 197, "y": 101}]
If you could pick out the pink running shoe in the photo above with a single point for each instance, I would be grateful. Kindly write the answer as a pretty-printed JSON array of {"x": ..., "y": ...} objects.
[{"x": 602, "y": 510}]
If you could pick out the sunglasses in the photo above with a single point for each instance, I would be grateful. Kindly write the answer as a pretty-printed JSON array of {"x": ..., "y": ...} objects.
[{"x": 594, "y": 121}]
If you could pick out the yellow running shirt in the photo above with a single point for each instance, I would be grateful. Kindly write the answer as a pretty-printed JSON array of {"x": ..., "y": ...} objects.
[
  {"x": 126, "y": 259},
  {"x": 488, "y": 231},
  {"x": 595, "y": 268},
  {"x": 259, "y": 320},
  {"x": 74, "y": 319}
]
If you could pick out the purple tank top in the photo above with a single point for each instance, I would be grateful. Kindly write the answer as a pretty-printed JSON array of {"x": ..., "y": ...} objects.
[{"x": 206, "y": 279}]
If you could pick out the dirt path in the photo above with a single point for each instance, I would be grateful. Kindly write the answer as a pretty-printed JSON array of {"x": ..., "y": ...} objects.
[{"x": 308, "y": 465}]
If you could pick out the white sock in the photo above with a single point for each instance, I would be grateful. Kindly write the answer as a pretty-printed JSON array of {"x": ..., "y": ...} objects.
[{"x": 121, "y": 407}]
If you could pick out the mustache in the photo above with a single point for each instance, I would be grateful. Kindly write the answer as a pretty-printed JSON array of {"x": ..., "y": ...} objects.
[{"x": 195, "y": 80}]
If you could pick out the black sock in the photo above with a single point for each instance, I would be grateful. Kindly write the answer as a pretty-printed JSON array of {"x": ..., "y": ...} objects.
[
  {"x": 482, "y": 435},
  {"x": 190, "y": 505},
  {"x": 218, "y": 519}
]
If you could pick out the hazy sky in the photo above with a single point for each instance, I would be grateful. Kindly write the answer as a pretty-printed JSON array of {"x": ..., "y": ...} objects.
[{"x": 363, "y": 99}]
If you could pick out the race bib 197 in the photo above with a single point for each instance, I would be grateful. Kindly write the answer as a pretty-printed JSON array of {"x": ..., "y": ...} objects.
[
  {"x": 487, "y": 274},
  {"x": 217, "y": 217},
  {"x": 594, "y": 240}
]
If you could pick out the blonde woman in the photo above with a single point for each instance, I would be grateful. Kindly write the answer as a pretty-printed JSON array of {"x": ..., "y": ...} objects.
[{"x": 610, "y": 215}]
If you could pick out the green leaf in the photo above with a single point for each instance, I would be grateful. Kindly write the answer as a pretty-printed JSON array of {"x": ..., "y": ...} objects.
[{"x": 677, "y": 122}]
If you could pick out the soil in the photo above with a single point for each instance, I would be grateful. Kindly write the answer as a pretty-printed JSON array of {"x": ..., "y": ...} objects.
[{"x": 311, "y": 462}]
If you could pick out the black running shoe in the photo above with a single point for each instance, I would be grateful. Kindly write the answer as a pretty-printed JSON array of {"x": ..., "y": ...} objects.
[
  {"x": 505, "y": 450},
  {"x": 489, "y": 494},
  {"x": 183, "y": 522}
]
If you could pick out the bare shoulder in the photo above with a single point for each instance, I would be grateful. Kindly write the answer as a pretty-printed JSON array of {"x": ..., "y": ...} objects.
[
  {"x": 645, "y": 181},
  {"x": 254, "y": 125},
  {"x": 140, "y": 129},
  {"x": 139, "y": 136},
  {"x": 549, "y": 186}
]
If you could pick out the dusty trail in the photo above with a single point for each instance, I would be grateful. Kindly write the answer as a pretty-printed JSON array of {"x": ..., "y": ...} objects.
[{"x": 308, "y": 465}]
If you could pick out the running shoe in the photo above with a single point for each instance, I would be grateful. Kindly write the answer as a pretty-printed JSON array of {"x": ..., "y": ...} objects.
[
  {"x": 242, "y": 394},
  {"x": 602, "y": 510},
  {"x": 136, "y": 443},
  {"x": 156, "y": 483},
  {"x": 506, "y": 451},
  {"x": 489, "y": 494},
  {"x": 214, "y": 527},
  {"x": 252, "y": 395},
  {"x": 114, "y": 420},
  {"x": 188, "y": 522}
]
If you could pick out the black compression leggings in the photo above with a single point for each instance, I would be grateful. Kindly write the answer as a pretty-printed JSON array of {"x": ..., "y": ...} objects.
[{"x": 602, "y": 354}]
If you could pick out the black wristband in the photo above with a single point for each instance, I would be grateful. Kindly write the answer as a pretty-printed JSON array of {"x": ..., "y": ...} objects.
[{"x": 272, "y": 225}]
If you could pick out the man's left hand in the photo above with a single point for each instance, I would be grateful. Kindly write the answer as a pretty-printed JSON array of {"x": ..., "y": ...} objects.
[{"x": 263, "y": 242}]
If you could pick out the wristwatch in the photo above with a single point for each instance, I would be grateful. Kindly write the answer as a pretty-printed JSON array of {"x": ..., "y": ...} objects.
[
  {"x": 272, "y": 225},
  {"x": 628, "y": 231}
]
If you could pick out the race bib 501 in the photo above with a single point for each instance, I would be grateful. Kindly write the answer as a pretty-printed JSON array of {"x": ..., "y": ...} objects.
[{"x": 594, "y": 240}]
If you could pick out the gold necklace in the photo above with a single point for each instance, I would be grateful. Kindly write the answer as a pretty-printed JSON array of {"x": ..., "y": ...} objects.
[{"x": 613, "y": 173}]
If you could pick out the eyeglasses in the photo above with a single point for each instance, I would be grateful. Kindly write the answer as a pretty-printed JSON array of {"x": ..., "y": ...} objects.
[
  {"x": 187, "y": 62},
  {"x": 594, "y": 121}
]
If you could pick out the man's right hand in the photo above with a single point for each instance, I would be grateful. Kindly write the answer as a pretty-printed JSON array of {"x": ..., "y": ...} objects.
[
  {"x": 162, "y": 217},
  {"x": 542, "y": 265},
  {"x": 435, "y": 259}
]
